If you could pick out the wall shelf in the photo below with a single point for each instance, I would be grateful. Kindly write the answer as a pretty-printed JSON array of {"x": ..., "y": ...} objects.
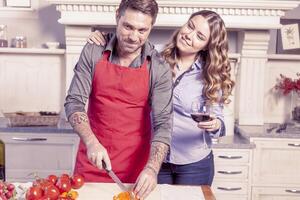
[
  {"x": 283, "y": 57},
  {"x": 7, "y": 9},
  {"x": 20, "y": 12},
  {"x": 31, "y": 50}
]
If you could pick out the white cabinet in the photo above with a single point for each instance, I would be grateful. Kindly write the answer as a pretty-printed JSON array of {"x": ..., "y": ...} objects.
[
  {"x": 41, "y": 153},
  {"x": 232, "y": 174},
  {"x": 276, "y": 166},
  {"x": 31, "y": 80}
]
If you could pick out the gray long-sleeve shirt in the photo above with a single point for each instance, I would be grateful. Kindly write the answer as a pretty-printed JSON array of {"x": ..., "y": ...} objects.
[{"x": 160, "y": 90}]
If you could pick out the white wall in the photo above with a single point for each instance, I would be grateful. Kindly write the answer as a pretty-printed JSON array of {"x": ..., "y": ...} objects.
[
  {"x": 38, "y": 26},
  {"x": 293, "y": 14},
  {"x": 277, "y": 107}
]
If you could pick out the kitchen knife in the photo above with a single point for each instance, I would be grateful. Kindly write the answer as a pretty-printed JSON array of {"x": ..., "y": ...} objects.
[{"x": 115, "y": 178}]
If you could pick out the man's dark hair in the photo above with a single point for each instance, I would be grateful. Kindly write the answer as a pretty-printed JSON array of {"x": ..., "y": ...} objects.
[{"x": 148, "y": 7}]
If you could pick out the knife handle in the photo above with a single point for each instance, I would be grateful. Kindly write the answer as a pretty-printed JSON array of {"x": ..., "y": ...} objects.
[{"x": 104, "y": 166}]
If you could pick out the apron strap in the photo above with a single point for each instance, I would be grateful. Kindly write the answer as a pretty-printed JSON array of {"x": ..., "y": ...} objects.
[{"x": 105, "y": 55}]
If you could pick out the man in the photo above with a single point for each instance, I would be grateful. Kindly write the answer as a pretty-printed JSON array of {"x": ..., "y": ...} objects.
[{"x": 124, "y": 81}]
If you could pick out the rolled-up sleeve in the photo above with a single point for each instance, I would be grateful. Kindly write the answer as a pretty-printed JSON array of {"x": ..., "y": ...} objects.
[
  {"x": 161, "y": 103},
  {"x": 80, "y": 87}
]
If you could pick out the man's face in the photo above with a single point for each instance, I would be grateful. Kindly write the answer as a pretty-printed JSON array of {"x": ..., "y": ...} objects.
[{"x": 133, "y": 29}]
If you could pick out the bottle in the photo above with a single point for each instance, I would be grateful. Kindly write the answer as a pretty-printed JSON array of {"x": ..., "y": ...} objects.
[
  {"x": 2, "y": 161},
  {"x": 3, "y": 36}
]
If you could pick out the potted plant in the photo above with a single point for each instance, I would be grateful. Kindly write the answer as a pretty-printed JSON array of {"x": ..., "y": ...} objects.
[{"x": 288, "y": 85}]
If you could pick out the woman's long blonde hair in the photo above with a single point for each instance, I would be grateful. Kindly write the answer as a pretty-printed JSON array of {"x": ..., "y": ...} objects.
[{"x": 216, "y": 69}]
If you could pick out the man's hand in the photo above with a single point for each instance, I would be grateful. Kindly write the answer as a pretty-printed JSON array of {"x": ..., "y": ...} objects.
[
  {"x": 146, "y": 182},
  {"x": 96, "y": 153},
  {"x": 97, "y": 37}
]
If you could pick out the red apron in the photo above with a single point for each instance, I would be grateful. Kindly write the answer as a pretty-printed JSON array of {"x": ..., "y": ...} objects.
[{"x": 119, "y": 115}]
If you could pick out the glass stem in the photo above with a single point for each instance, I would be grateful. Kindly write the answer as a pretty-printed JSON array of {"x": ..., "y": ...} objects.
[{"x": 204, "y": 141}]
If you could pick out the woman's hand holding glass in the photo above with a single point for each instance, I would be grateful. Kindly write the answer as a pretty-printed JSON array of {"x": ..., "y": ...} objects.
[
  {"x": 201, "y": 113},
  {"x": 213, "y": 124}
]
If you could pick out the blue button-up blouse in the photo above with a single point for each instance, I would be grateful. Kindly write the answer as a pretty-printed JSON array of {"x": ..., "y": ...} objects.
[{"x": 187, "y": 138}]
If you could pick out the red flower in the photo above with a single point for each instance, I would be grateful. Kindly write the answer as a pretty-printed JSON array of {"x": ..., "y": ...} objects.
[{"x": 287, "y": 84}]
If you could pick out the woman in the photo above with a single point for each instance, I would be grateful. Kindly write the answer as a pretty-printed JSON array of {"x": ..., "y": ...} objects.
[{"x": 198, "y": 56}]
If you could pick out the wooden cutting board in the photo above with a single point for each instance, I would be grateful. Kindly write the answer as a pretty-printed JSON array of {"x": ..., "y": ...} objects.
[{"x": 106, "y": 191}]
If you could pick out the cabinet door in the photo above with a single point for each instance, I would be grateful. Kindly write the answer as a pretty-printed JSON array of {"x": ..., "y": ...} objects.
[
  {"x": 43, "y": 154},
  {"x": 276, "y": 162},
  {"x": 265, "y": 193}
]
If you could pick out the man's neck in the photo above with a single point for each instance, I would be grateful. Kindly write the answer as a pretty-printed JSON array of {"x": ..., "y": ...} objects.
[{"x": 125, "y": 58}]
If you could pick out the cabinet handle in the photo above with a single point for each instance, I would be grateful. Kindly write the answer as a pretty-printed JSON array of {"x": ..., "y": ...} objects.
[
  {"x": 294, "y": 145},
  {"x": 230, "y": 172},
  {"x": 29, "y": 139},
  {"x": 293, "y": 191},
  {"x": 229, "y": 188},
  {"x": 231, "y": 157}
]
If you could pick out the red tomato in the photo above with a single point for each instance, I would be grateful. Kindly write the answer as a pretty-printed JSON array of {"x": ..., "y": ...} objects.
[
  {"x": 51, "y": 192},
  {"x": 65, "y": 176},
  {"x": 77, "y": 181},
  {"x": 8, "y": 194},
  {"x": 10, "y": 187},
  {"x": 45, "y": 198},
  {"x": 63, "y": 185},
  {"x": 52, "y": 178},
  {"x": 3, "y": 197},
  {"x": 34, "y": 193},
  {"x": 42, "y": 183}
]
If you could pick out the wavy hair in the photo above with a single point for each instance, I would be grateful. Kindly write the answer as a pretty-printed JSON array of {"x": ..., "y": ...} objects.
[{"x": 216, "y": 70}]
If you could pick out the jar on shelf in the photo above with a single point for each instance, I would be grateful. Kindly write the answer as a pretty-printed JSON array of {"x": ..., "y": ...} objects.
[
  {"x": 19, "y": 42},
  {"x": 3, "y": 36}
]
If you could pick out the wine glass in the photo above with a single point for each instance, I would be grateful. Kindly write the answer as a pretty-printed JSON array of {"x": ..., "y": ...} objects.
[{"x": 200, "y": 113}]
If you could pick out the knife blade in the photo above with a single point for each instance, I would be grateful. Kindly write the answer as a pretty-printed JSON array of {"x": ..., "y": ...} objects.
[{"x": 114, "y": 177}]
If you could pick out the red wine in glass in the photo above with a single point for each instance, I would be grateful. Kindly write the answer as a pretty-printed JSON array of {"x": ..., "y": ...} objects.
[
  {"x": 200, "y": 117},
  {"x": 200, "y": 113}
]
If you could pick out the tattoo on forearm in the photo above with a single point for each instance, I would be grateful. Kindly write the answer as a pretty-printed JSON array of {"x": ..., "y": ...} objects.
[
  {"x": 78, "y": 118},
  {"x": 158, "y": 153},
  {"x": 80, "y": 123}
]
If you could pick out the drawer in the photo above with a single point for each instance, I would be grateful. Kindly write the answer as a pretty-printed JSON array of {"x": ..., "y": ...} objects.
[
  {"x": 231, "y": 172},
  {"x": 284, "y": 193},
  {"x": 235, "y": 157},
  {"x": 230, "y": 187},
  {"x": 230, "y": 197}
]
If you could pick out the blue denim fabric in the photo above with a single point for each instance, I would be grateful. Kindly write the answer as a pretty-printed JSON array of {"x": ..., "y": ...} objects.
[{"x": 198, "y": 173}]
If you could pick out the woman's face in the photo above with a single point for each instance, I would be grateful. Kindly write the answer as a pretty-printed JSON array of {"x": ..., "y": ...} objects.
[{"x": 193, "y": 36}]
